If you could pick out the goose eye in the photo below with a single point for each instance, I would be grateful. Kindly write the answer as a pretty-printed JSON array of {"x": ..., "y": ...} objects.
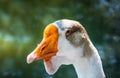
[{"x": 68, "y": 32}]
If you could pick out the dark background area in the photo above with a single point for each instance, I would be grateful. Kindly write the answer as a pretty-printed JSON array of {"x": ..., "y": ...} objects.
[{"x": 21, "y": 28}]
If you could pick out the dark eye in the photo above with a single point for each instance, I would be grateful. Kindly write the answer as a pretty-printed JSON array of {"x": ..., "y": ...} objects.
[{"x": 68, "y": 32}]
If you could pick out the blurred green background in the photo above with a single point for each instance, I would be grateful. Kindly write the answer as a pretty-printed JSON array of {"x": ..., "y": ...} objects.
[{"x": 22, "y": 23}]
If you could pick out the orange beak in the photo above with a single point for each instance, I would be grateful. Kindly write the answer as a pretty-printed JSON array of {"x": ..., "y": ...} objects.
[{"x": 48, "y": 46}]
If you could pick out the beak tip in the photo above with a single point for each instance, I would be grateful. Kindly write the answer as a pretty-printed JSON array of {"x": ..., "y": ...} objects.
[
  {"x": 29, "y": 60},
  {"x": 31, "y": 57}
]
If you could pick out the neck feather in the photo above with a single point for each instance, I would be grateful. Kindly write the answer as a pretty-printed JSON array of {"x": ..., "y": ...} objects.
[{"x": 89, "y": 67}]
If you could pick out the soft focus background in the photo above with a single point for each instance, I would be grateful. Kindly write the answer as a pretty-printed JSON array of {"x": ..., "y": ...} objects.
[{"x": 22, "y": 23}]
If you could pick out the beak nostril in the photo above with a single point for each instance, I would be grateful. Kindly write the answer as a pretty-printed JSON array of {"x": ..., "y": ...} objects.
[{"x": 43, "y": 48}]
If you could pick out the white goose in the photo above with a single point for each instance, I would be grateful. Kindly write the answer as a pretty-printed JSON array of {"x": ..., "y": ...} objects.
[{"x": 67, "y": 42}]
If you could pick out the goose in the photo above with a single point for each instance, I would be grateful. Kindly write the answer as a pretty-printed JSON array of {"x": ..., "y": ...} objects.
[{"x": 66, "y": 42}]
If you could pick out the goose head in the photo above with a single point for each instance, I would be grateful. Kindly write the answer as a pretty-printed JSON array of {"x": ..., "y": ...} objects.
[{"x": 66, "y": 42}]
